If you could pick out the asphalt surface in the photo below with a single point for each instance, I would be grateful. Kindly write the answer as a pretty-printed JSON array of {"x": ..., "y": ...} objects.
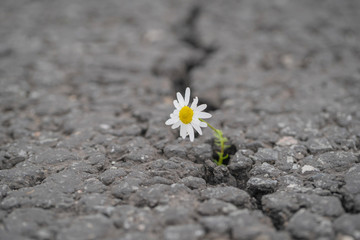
[{"x": 86, "y": 87}]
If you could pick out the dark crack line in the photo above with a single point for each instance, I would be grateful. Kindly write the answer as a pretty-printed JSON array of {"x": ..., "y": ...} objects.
[{"x": 188, "y": 34}]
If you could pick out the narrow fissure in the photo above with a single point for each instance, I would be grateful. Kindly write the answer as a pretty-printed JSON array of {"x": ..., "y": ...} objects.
[{"x": 187, "y": 33}]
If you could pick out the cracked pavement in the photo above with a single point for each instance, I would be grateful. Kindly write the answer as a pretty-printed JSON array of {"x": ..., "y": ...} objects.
[{"x": 86, "y": 87}]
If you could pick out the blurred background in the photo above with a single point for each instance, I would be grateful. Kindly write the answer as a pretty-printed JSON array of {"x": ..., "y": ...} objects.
[
  {"x": 116, "y": 57},
  {"x": 261, "y": 66},
  {"x": 269, "y": 52}
]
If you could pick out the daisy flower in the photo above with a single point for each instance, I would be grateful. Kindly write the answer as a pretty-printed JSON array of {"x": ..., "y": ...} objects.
[{"x": 188, "y": 118}]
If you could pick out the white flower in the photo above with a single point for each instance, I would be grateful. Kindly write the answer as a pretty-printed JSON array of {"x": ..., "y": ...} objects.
[{"x": 186, "y": 117}]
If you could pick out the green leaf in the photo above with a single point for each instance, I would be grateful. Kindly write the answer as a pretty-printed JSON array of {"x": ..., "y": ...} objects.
[{"x": 219, "y": 142}]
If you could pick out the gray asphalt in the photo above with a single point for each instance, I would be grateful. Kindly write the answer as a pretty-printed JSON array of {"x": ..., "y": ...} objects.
[{"x": 86, "y": 87}]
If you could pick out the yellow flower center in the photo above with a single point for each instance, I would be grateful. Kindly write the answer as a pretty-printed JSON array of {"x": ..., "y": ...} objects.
[{"x": 186, "y": 114}]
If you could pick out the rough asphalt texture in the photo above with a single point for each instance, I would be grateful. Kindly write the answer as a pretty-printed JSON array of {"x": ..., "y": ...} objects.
[{"x": 85, "y": 89}]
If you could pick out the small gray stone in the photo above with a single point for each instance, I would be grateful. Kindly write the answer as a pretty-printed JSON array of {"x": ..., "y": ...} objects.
[
  {"x": 215, "y": 174},
  {"x": 343, "y": 119},
  {"x": 266, "y": 155},
  {"x": 229, "y": 194},
  {"x": 254, "y": 146},
  {"x": 92, "y": 185},
  {"x": 328, "y": 206},
  {"x": 193, "y": 182},
  {"x": 286, "y": 141},
  {"x": 249, "y": 225},
  {"x": 327, "y": 181},
  {"x": 175, "y": 150},
  {"x": 125, "y": 188},
  {"x": 300, "y": 151},
  {"x": 280, "y": 206},
  {"x": 174, "y": 215},
  {"x": 307, "y": 225},
  {"x": 97, "y": 160},
  {"x": 110, "y": 175},
  {"x": 338, "y": 161},
  {"x": 184, "y": 232},
  {"x": 135, "y": 149},
  {"x": 348, "y": 224},
  {"x": 215, "y": 207},
  {"x": 261, "y": 186},
  {"x": 351, "y": 189},
  {"x": 152, "y": 196},
  {"x": 217, "y": 224},
  {"x": 265, "y": 170},
  {"x": 240, "y": 165},
  {"x": 201, "y": 153},
  {"x": 183, "y": 167},
  {"x": 290, "y": 182},
  {"x": 332, "y": 161},
  {"x": 306, "y": 169},
  {"x": 319, "y": 145},
  {"x": 94, "y": 202},
  {"x": 55, "y": 156},
  {"x": 133, "y": 219}
]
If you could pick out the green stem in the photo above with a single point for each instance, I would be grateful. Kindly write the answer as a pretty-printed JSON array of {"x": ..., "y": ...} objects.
[
  {"x": 221, "y": 159},
  {"x": 221, "y": 140},
  {"x": 215, "y": 130}
]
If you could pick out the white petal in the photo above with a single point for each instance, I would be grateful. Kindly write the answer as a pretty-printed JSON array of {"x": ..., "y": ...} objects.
[
  {"x": 203, "y": 115},
  {"x": 175, "y": 114},
  {"x": 195, "y": 120},
  {"x": 201, "y": 107},
  {"x": 180, "y": 99},
  {"x": 171, "y": 121},
  {"x": 190, "y": 130},
  {"x": 176, "y": 125},
  {"x": 176, "y": 104},
  {"x": 198, "y": 122},
  {"x": 202, "y": 124},
  {"x": 187, "y": 96},
  {"x": 183, "y": 130},
  {"x": 197, "y": 127},
  {"x": 194, "y": 103}
]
